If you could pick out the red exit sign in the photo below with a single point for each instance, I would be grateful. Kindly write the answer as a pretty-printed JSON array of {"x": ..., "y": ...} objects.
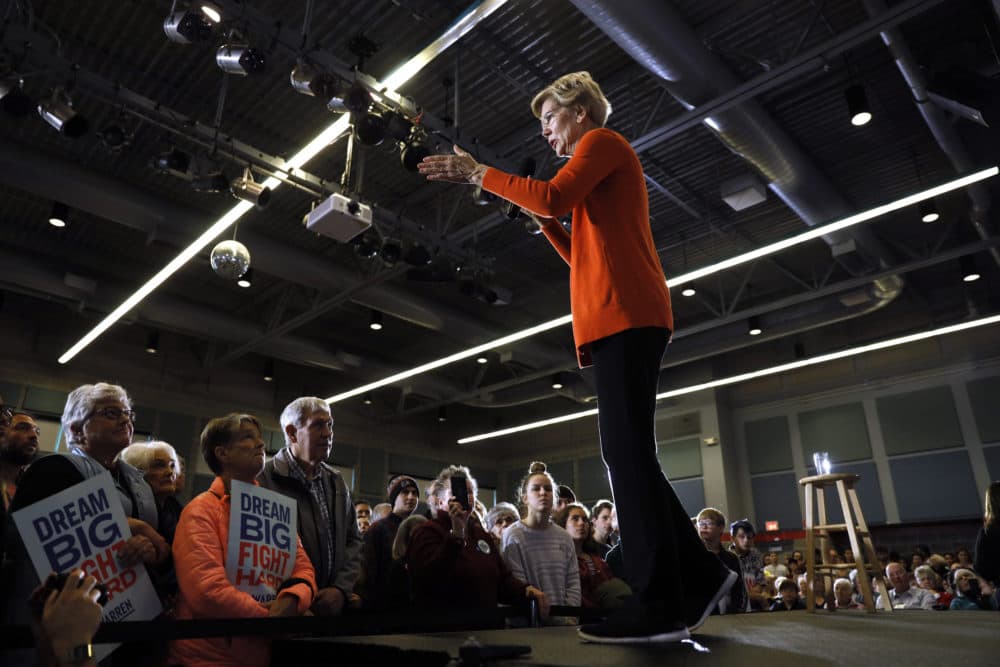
[{"x": 771, "y": 526}]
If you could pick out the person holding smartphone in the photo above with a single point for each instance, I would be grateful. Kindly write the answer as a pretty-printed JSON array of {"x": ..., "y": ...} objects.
[{"x": 453, "y": 563}]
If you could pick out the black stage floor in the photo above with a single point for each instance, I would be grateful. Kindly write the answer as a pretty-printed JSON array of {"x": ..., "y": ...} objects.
[{"x": 913, "y": 638}]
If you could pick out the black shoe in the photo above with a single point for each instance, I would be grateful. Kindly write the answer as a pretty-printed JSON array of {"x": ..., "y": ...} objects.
[
  {"x": 698, "y": 608},
  {"x": 622, "y": 630}
]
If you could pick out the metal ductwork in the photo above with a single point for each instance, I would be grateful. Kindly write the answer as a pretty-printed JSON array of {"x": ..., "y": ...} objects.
[
  {"x": 655, "y": 35},
  {"x": 939, "y": 124}
]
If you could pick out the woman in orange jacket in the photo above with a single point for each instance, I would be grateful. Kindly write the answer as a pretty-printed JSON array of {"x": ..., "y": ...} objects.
[
  {"x": 234, "y": 449},
  {"x": 622, "y": 323}
]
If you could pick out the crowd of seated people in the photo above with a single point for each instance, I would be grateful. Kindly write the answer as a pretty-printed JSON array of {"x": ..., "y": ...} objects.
[{"x": 384, "y": 556}]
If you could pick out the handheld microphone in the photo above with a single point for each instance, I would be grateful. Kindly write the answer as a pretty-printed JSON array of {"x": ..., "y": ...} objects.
[{"x": 527, "y": 170}]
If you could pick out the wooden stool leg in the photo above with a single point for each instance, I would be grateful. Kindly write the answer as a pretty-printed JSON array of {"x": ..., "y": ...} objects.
[
  {"x": 870, "y": 556},
  {"x": 850, "y": 520},
  {"x": 810, "y": 564},
  {"x": 819, "y": 585}
]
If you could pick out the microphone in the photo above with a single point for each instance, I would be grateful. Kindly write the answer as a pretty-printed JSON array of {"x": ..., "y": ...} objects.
[{"x": 527, "y": 170}]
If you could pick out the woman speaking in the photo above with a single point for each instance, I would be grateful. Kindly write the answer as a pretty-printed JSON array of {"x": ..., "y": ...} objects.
[{"x": 622, "y": 323}]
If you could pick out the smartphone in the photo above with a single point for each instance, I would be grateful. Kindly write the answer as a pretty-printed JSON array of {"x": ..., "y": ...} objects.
[{"x": 460, "y": 491}]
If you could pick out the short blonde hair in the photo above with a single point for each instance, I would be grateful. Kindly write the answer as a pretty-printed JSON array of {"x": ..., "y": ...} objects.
[
  {"x": 140, "y": 454},
  {"x": 575, "y": 89}
]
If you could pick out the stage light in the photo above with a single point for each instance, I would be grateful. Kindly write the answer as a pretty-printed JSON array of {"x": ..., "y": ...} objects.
[
  {"x": 482, "y": 360},
  {"x": 173, "y": 161},
  {"x": 929, "y": 211},
  {"x": 367, "y": 400},
  {"x": 308, "y": 80},
  {"x": 417, "y": 255},
  {"x": 59, "y": 214},
  {"x": 857, "y": 105},
  {"x": 251, "y": 191},
  {"x": 239, "y": 59},
  {"x": 246, "y": 280},
  {"x": 153, "y": 342},
  {"x": 12, "y": 98},
  {"x": 185, "y": 26},
  {"x": 115, "y": 137},
  {"x": 557, "y": 382},
  {"x": 210, "y": 182},
  {"x": 211, "y": 11},
  {"x": 369, "y": 128},
  {"x": 375, "y": 322},
  {"x": 743, "y": 377},
  {"x": 397, "y": 126},
  {"x": 688, "y": 291},
  {"x": 413, "y": 153},
  {"x": 58, "y": 112},
  {"x": 391, "y": 252},
  {"x": 753, "y": 326},
  {"x": 970, "y": 273},
  {"x": 366, "y": 246},
  {"x": 353, "y": 100}
]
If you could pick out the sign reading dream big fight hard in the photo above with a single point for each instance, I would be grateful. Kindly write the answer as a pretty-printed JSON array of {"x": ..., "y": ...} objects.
[
  {"x": 262, "y": 540},
  {"x": 84, "y": 526}
]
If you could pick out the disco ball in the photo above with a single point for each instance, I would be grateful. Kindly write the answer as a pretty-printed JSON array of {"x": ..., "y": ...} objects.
[{"x": 230, "y": 259}]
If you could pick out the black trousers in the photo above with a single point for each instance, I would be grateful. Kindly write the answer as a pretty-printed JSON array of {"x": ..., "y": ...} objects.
[{"x": 661, "y": 549}]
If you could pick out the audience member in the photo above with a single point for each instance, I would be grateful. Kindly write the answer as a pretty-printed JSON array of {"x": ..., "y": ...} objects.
[
  {"x": 772, "y": 567},
  {"x": 843, "y": 594},
  {"x": 788, "y": 597},
  {"x": 711, "y": 523},
  {"x": 381, "y": 511},
  {"x": 564, "y": 497},
  {"x": 233, "y": 448},
  {"x": 902, "y": 595},
  {"x": 400, "y": 588},
  {"x": 949, "y": 558},
  {"x": 929, "y": 580},
  {"x": 327, "y": 523},
  {"x": 536, "y": 550},
  {"x": 598, "y": 585},
  {"x": 18, "y": 447},
  {"x": 363, "y": 511},
  {"x": 603, "y": 529},
  {"x": 794, "y": 568},
  {"x": 502, "y": 515},
  {"x": 963, "y": 559},
  {"x": 452, "y": 560},
  {"x": 181, "y": 481},
  {"x": 987, "y": 563},
  {"x": 751, "y": 564},
  {"x": 377, "y": 550},
  {"x": 969, "y": 592},
  {"x": 157, "y": 461},
  {"x": 916, "y": 560}
]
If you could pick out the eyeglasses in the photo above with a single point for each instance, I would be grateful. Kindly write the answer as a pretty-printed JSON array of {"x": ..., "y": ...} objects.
[{"x": 114, "y": 414}]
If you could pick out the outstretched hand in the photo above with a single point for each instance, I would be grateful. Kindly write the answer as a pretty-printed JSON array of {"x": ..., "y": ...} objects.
[{"x": 458, "y": 168}]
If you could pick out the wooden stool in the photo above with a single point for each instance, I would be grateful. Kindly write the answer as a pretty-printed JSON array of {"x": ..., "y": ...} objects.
[{"x": 855, "y": 527}]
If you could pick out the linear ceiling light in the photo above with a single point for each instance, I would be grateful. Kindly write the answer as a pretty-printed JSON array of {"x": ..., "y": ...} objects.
[
  {"x": 743, "y": 377},
  {"x": 452, "y": 34},
  {"x": 691, "y": 276}
]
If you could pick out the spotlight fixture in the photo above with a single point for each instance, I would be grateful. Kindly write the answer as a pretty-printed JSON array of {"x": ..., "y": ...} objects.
[
  {"x": 58, "y": 112},
  {"x": 355, "y": 100},
  {"x": 59, "y": 214},
  {"x": 246, "y": 280},
  {"x": 532, "y": 227},
  {"x": 369, "y": 128},
  {"x": 417, "y": 255},
  {"x": 366, "y": 246},
  {"x": 442, "y": 414},
  {"x": 375, "y": 322},
  {"x": 367, "y": 400},
  {"x": 413, "y": 153},
  {"x": 269, "y": 371},
  {"x": 115, "y": 137},
  {"x": 557, "y": 382},
  {"x": 308, "y": 80},
  {"x": 239, "y": 59},
  {"x": 186, "y": 27},
  {"x": 12, "y": 98},
  {"x": 173, "y": 161},
  {"x": 249, "y": 190},
  {"x": 753, "y": 326},
  {"x": 397, "y": 126},
  {"x": 482, "y": 360},
  {"x": 391, "y": 252},
  {"x": 153, "y": 342},
  {"x": 688, "y": 291},
  {"x": 970, "y": 273},
  {"x": 230, "y": 259},
  {"x": 857, "y": 105},
  {"x": 929, "y": 211}
]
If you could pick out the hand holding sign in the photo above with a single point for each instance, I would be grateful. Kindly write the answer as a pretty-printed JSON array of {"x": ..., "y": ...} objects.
[{"x": 146, "y": 544}]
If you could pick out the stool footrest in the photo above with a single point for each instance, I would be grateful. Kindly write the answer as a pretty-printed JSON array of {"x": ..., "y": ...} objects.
[{"x": 838, "y": 526}]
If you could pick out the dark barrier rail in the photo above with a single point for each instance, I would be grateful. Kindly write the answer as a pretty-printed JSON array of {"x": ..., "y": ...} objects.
[{"x": 352, "y": 624}]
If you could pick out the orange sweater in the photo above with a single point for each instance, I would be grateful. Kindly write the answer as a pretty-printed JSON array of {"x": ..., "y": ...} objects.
[
  {"x": 205, "y": 591},
  {"x": 615, "y": 278}
]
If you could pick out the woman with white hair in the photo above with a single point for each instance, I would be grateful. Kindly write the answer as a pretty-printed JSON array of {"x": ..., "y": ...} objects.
[{"x": 159, "y": 464}]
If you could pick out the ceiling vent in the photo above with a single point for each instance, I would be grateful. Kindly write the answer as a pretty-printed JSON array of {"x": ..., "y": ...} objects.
[{"x": 743, "y": 192}]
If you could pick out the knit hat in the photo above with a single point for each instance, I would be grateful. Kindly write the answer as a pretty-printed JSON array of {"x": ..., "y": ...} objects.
[
  {"x": 400, "y": 483},
  {"x": 500, "y": 510}
]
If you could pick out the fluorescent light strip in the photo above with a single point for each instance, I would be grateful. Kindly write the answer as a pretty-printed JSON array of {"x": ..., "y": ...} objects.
[
  {"x": 676, "y": 281},
  {"x": 743, "y": 377},
  {"x": 456, "y": 31}
]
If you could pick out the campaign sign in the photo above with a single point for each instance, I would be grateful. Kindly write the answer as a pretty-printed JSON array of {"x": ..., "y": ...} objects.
[
  {"x": 84, "y": 526},
  {"x": 262, "y": 540}
]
